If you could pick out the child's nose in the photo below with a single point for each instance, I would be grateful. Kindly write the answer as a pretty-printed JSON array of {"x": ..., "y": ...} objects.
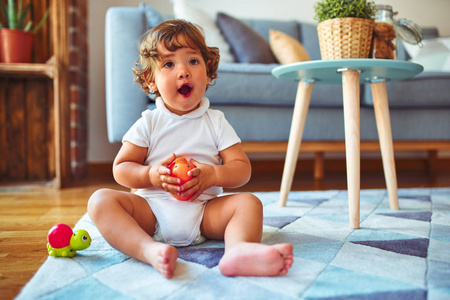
[{"x": 183, "y": 73}]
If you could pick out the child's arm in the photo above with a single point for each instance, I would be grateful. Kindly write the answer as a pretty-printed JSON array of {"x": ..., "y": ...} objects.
[
  {"x": 129, "y": 169},
  {"x": 235, "y": 171}
]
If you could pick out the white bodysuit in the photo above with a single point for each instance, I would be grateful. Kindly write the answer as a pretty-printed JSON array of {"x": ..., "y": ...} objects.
[{"x": 200, "y": 135}]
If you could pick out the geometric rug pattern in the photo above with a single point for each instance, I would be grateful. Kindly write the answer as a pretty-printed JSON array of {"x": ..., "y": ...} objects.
[{"x": 402, "y": 254}]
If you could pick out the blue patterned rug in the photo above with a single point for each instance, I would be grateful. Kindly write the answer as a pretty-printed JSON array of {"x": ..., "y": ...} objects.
[{"x": 401, "y": 254}]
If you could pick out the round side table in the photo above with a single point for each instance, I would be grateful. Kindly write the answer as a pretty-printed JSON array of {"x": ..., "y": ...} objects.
[{"x": 350, "y": 73}]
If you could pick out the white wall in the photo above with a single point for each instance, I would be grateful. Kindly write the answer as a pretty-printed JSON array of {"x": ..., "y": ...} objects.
[{"x": 425, "y": 13}]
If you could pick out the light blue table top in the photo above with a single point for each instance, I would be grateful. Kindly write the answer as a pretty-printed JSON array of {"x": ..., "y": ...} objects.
[{"x": 328, "y": 71}]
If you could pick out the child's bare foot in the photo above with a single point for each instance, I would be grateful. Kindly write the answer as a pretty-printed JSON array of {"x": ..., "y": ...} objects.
[
  {"x": 254, "y": 259},
  {"x": 162, "y": 257}
]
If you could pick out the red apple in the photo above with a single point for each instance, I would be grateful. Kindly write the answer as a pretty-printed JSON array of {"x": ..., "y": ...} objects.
[{"x": 179, "y": 168}]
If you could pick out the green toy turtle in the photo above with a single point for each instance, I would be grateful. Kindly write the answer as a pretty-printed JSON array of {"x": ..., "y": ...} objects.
[{"x": 62, "y": 241}]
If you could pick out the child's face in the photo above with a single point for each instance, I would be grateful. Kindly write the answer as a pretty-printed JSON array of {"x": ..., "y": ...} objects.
[{"x": 181, "y": 78}]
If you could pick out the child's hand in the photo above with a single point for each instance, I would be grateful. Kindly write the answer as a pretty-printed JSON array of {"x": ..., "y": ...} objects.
[
  {"x": 160, "y": 176},
  {"x": 203, "y": 177}
]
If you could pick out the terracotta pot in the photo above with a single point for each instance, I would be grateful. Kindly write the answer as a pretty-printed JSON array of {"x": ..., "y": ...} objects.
[{"x": 16, "y": 46}]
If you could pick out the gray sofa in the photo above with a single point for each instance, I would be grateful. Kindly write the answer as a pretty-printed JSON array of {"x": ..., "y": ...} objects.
[{"x": 260, "y": 107}]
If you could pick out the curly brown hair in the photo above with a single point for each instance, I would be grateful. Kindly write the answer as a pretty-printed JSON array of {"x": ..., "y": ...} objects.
[{"x": 167, "y": 34}]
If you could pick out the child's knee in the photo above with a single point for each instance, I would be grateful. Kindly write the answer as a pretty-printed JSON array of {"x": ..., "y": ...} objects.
[
  {"x": 252, "y": 201},
  {"x": 98, "y": 199}
]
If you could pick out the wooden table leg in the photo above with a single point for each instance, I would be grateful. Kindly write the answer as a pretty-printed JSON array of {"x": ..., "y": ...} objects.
[
  {"x": 350, "y": 87},
  {"x": 319, "y": 165},
  {"x": 381, "y": 107},
  {"x": 298, "y": 123}
]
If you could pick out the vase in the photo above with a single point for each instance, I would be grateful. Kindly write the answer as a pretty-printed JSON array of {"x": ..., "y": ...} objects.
[
  {"x": 15, "y": 46},
  {"x": 345, "y": 38}
]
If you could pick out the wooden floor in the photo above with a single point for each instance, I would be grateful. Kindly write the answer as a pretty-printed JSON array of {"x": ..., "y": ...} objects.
[{"x": 26, "y": 214}]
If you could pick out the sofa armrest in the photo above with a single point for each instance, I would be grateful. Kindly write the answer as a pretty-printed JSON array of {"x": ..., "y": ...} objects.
[{"x": 125, "y": 99}]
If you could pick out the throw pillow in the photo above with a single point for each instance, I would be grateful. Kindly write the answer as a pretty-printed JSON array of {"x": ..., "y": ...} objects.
[
  {"x": 184, "y": 9},
  {"x": 286, "y": 49},
  {"x": 153, "y": 16},
  {"x": 248, "y": 46},
  {"x": 434, "y": 55}
]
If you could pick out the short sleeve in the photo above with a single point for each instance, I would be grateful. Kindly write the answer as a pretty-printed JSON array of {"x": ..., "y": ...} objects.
[
  {"x": 139, "y": 134},
  {"x": 226, "y": 135}
]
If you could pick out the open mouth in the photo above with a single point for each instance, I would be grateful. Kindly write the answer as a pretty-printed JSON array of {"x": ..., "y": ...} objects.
[{"x": 185, "y": 90}]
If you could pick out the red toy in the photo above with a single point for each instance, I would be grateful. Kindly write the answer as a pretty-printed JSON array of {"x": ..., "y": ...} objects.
[
  {"x": 179, "y": 168},
  {"x": 62, "y": 241}
]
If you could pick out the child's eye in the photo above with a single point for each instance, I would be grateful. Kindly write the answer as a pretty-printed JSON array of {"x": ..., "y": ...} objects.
[
  {"x": 168, "y": 64},
  {"x": 194, "y": 62}
]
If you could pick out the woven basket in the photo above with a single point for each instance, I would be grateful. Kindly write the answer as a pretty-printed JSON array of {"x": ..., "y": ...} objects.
[{"x": 345, "y": 38}]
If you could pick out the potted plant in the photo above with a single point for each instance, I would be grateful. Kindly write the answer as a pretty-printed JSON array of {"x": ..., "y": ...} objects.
[
  {"x": 16, "y": 35},
  {"x": 345, "y": 27}
]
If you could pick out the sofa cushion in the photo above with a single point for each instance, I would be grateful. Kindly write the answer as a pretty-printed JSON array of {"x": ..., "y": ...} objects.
[
  {"x": 286, "y": 49},
  {"x": 184, "y": 9},
  {"x": 274, "y": 124},
  {"x": 427, "y": 32},
  {"x": 247, "y": 45},
  {"x": 263, "y": 27},
  {"x": 433, "y": 55},
  {"x": 306, "y": 33},
  {"x": 253, "y": 84},
  {"x": 310, "y": 39},
  {"x": 153, "y": 16},
  {"x": 327, "y": 124},
  {"x": 428, "y": 89}
]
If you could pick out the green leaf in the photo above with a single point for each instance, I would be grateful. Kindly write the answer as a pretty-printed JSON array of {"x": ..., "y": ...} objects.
[
  {"x": 42, "y": 21},
  {"x": 330, "y": 9},
  {"x": 23, "y": 16},
  {"x": 11, "y": 15},
  {"x": 28, "y": 27},
  {"x": 15, "y": 16}
]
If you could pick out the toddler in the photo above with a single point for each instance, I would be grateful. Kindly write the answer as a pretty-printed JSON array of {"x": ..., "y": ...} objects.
[{"x": 177, "y": 67}]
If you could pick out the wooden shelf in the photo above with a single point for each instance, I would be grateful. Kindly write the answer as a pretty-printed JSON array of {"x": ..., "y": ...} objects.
[
  {"x": 25, "y": 70},
  {"x": 49, "y": 105}
]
